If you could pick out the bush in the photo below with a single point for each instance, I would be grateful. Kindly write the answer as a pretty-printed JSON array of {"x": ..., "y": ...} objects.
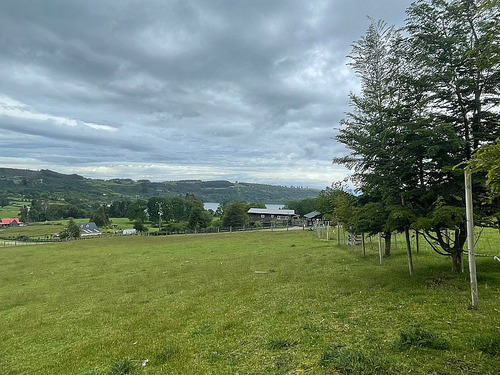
[{"x": 423, "y": 338}]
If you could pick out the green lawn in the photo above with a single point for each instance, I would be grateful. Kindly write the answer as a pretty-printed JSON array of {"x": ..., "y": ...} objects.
[{"x": 241, "y": 303}]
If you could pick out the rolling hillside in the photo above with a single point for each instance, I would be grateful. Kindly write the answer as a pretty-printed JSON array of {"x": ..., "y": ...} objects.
[{"x": 57, "y": 185}]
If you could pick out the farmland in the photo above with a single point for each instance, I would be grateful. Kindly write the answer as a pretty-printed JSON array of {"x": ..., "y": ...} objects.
[{"x": 246, "y": 303}]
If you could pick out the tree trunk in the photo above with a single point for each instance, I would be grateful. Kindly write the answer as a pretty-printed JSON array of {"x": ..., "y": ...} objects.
[
  {"x": 408, "y": 251},
  {"x": 387, "y": 237},
  {"x": 457, "y": 261}
]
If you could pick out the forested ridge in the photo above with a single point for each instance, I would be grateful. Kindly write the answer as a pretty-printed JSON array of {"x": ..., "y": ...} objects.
[{"x": 50, "y": 184}]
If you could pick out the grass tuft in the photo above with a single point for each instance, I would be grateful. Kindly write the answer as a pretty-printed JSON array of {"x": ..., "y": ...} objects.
[
  {"x": 167, "y": 354},
  {"x": 490, "y": 344},
  {"x": 416, "y": 336},
  {"x": 348, "y": 361},
  {"x": 278, "y": 343},
  {"x": 120, "y": 367}
]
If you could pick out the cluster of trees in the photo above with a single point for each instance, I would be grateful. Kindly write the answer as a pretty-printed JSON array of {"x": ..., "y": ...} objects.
[
  {"x": 4, "y": 200},
  {"x": 429, "y": 100},
  {"x": 43, "y": 210}
]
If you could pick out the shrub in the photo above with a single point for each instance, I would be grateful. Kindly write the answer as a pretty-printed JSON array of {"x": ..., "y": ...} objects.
[{"x": 420, "y": 337}]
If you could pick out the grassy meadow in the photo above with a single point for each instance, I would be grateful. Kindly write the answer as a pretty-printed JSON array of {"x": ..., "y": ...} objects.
[{"x": 280, "y": 302}]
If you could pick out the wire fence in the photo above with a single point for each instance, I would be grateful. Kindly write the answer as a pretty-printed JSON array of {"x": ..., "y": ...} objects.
[{"x": 37, "y": 240}]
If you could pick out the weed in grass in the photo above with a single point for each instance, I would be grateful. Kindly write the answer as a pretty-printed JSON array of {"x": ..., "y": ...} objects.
[
  {"x": 203, "y": 330},
  {"x": 166, "y": 354},
  {"x": 465, "y": 367},
  {"x": 213, "y": 357},
  {"x": 284, "y": 363},
  {"x": 417, "y": 336},
  {"x": 348, "y": 361},
  {"x": 489, "y": 345},
  {"x": 120, "y": 367},
  {"x": 278, "y": 343}
]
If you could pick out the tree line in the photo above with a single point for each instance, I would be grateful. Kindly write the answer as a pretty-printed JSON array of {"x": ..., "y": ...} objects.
[{"x": 428, "y": 104}]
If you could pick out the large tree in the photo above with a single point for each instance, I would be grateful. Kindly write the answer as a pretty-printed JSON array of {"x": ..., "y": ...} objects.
[
  {"x": 427, "y": 101},
  {"x": 235, "y": 214}
]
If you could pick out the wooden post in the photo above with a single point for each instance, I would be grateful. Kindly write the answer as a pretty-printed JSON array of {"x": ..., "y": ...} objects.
[
  {"x": 470, "y": 238},
  {"x": 363, "y": 244},
  {"x": 338, "y": 233},
  {"x": 380, "y": 254},
  {"x": 395, "y": 240},
  {"x": 417, "y": 243},
  {"x": 408, "y": 250}
]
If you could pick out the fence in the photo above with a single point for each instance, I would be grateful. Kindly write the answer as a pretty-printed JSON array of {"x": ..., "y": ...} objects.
[{"x": 24, "y": 240}]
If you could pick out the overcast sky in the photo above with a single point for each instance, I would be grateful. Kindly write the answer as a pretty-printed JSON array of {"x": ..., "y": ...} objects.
[{"x": 240, "y": 90}]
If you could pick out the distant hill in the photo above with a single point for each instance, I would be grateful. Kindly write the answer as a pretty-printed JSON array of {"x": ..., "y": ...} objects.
[{"x": 57, "y": 185}]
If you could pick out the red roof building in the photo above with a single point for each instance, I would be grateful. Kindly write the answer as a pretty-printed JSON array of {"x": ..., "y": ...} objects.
[{"x": 10, "y": 222}]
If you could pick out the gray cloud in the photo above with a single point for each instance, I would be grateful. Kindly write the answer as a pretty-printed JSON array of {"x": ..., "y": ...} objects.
[{"x": 243, "y": 90}]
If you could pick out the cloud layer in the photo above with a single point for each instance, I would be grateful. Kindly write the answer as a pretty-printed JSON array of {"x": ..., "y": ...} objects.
[{"x": 164, "y": 90}]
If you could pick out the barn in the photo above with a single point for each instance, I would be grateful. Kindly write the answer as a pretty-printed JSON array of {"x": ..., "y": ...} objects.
[{"x": 267, "y": 216}]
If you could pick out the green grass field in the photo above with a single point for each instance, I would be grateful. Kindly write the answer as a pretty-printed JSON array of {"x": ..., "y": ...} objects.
[{"x": 242, "y": 303}]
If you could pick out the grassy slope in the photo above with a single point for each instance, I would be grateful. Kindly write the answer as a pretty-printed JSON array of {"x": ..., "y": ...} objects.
[{"x": 194, "y": 305}]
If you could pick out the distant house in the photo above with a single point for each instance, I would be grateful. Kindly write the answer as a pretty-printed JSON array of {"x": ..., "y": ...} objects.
[
  {"x": 88, "y": 229},
  {"x": 312, "y": 217},
  {"x": 267, "y": 216},
  {"x": 14, "y": 222}
]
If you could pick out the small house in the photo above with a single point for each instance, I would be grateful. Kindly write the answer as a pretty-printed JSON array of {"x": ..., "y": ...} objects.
[
  {"x": 313, "y": 217},
  {"x": 14, "y": 222},
  {"x": 88, "y": 229}
]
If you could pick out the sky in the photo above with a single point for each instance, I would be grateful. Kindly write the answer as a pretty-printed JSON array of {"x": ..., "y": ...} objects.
[{"x": 238, "y": 90}]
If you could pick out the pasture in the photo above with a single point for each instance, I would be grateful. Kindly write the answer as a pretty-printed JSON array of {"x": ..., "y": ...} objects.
[{"x": 242, "y": 303}]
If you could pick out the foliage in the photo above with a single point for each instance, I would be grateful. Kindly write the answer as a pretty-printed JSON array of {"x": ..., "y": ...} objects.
[
  {"x": 137, "y": 210},
  {"x": 199, "y": 218},
  {"x": 119, "y": 208},
  {"x": 82, "y": 192},
  {"x": 100, "y": 217},
  {"x": 4, "y": 200},
  {"x": 487, "y": 159},
  {"x": 235, "y": 214},
  {"x": 303, "y": 206},
  {"x": 428, "y": 99},
  {"x": 335, "y": 203},
  {"x": 140, "y": 227},
  {"x": 72, "y": 231}
]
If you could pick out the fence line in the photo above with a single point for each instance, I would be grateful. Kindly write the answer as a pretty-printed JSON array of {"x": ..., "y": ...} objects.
[{"x": 23, "y": 241}]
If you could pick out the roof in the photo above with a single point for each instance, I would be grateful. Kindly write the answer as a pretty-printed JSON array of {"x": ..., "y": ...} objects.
[
  {"x": 9, "y": 221},
  {"x": 312, "y": 215},
  {"x": 87, "y": 229},
  {"x": 266, "y": 211}
]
